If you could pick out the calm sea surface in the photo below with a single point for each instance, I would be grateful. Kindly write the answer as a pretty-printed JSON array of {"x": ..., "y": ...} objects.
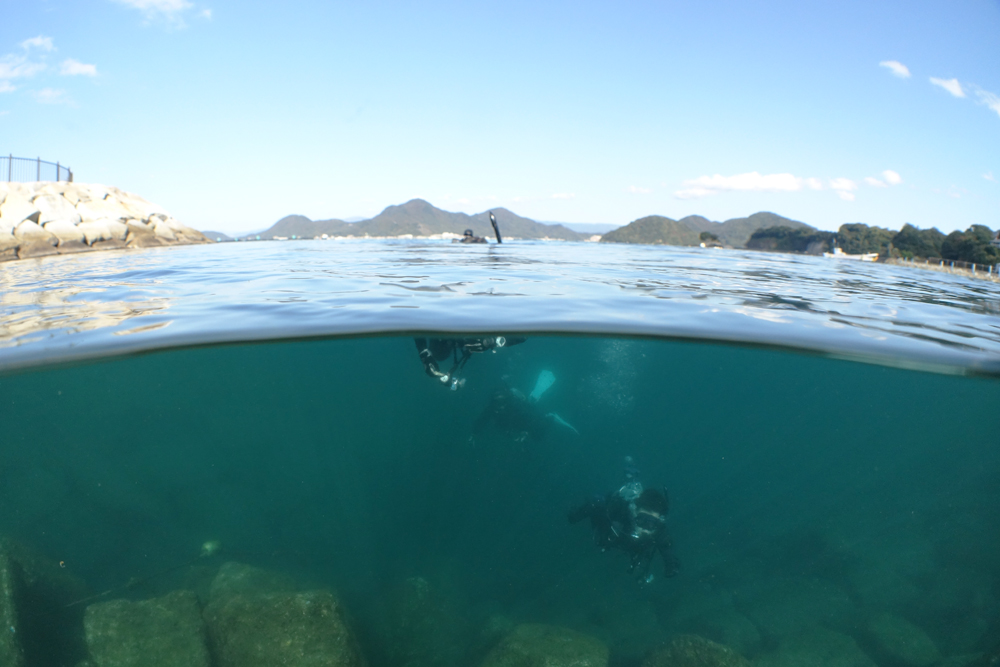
[{"x": 269, "y": 396}]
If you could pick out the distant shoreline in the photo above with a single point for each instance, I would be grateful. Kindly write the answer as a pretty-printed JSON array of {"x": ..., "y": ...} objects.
[{"x": 980, "y": 275}]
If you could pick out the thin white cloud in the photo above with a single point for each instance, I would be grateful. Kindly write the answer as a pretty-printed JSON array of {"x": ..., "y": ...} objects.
[
  {"x": 989, "y": 176},
  {"x": 951, "y": 85},
  {"x": 169, "y": 9},
  {"x": 897, "y": 68},
  {"x": 72, "y": 67},
  {"x": 6, "y": 87},
  {"x": 844, "y": 188},
  {"x": 989, "y": 99},
  {"x": 813, "y": 183},
  {"x": 43, "y": 43},
  {"x": 704, "y": 186},
  {"x": 637, "y": 190},
  {"x": 891, "y": 177},
  {"x": 206, "y": 14},
  {"x": 18, "y": 67},
  {"x": 563, "y": 195},
  {"x": 52, "y": 96}
]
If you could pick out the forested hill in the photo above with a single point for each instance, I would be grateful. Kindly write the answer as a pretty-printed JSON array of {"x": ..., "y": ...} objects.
[
  {"x": 419, "y": 218},
  {"x": 653, "y": 229},
  {"x": 735, "y": 232}
]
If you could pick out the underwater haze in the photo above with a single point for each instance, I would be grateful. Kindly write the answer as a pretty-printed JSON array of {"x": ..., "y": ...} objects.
[{"x": 270, "y": 397}]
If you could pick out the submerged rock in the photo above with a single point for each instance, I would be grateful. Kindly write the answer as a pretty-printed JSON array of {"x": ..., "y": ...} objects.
[
  {"x": 37, "y": 626},
  {"x": 712, "y": 615},
  {"x": 695, "y": 651},
  {"x": 547, "y": 646},
  {"x": 783, "y": 606},
  {"x": 816, "y": 647},
  {"x": 254, "y": 619},
  {"x": 900, "y": 642},
  {"x": 163, "y": 632},
  {"x": 289, "y": 629},
  {"x": 11, "y": 651},
  {"x": 239, "y": 579},
  {"x": 425, "y": 630}
]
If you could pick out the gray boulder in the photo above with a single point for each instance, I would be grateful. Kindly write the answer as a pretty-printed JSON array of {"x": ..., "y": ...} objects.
[
  {"x": 39, "y": 626},
  {"x": 712, "y": 614},
  {"x": 898, "y": 641},
  {"x": 240, "y": 579},
  {"x": 289, "y": 629},
  {"x": 254, "y": 620},
  {"x": 53, "y": 207},
  {"x": 8, "y": 246},
  {"x": 15, "y": 210},
  {"x": 695, "y": 651},
  {"x": 786, "y": 605},
  {"x": 425, "y": 628},
  {"x": 163, "y": 632},
  {"x": 547, "y": 646},
  {"x": 11, "y": 650},
  {"x": 816, "y": 647}
]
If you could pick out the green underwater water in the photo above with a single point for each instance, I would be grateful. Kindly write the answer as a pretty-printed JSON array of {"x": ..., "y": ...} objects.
[{"x": 805, "y": 491}]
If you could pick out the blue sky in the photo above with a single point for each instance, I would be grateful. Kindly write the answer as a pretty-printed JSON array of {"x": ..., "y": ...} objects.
[{"x": 234, "y": 114}]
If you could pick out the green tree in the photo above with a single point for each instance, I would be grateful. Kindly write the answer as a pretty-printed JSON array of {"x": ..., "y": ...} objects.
[
  {"x": 787, "y": 239},
  {"x": 972, "y": 245},
  {"x": 913, "y": 242},
  {"x": 858, "y": 238}
]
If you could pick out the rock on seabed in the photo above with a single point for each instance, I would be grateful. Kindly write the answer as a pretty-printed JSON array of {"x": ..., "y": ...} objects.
[
  {"x": 534, "y": 645},
  {"x": 11, "y": 651},
  {"x": 163, "y": 632},
  {"x": 56, "y": 218},
  {"x": 695, "y": 651},
  {"x": 901, "y": 642},
  {"x": 253, "y": 621}
]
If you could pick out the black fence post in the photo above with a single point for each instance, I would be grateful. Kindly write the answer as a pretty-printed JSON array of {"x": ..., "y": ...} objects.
[
  {"x": 10, "y": 166},
  {"x": 57, "y": 171}
]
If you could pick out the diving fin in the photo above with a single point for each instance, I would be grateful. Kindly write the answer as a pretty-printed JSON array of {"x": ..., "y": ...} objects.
[
  {"x": 563, "y": 422},
  {"x": 545, "y": 380}
]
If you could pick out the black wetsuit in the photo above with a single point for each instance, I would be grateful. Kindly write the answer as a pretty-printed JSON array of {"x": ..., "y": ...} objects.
[
  {"x": 511, "y": 414},
  {"x": 616, "y": 525},
  {"x": 435, "y": 350},
  {"x": 470, "y": 239}
]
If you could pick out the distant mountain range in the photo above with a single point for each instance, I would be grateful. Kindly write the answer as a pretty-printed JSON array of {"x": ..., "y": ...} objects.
[
  {"x": 419, "y": 218},
  {"x": 656, "y": 229}
]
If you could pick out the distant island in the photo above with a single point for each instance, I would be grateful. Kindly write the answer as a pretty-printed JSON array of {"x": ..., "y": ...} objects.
[
  {"x": 761, "y": 231},
  {"x": 415, "y": 218},
  {"x": 658, "y": 230}
]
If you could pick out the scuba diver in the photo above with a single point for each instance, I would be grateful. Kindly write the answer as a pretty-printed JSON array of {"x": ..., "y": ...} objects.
[
  {"x": 433, "y": 351},
  {"x": 469, "y": 237},
  {"x": 634, "y": 520},
  {"x": 513, "y": 414}
]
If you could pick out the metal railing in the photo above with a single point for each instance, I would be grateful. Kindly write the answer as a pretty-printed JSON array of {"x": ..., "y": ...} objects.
[
  {"x": 957, "y": 264},
  {"x": 24, "y": 169}
]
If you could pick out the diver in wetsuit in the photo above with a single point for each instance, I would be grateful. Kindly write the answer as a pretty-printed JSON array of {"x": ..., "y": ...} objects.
[
  {"x": 433, "y": 351},
  {"x": 634, "y": 520},
  {"x": 512, "y": 414},
  {"x": 469, "y": 237}
]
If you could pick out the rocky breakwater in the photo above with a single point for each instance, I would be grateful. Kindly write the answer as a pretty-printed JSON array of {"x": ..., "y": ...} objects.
[{"x": 55, "y": 218}]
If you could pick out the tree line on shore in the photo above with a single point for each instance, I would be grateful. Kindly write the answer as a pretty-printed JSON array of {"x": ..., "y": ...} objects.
[{"x": 977, "y": 244}]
